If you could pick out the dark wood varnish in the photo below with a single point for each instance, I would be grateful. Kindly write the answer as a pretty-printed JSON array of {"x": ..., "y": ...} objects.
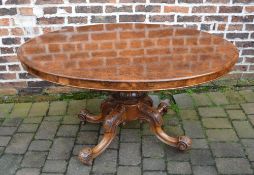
[
  {"x": 128, "y": 57},
  {"x": 123, "y": 107}
]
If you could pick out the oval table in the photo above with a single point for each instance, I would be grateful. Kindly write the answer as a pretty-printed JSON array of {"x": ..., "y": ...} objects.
[{"x": 128, "y": 60}]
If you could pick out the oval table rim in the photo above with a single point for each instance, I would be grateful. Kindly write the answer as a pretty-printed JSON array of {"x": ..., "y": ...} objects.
[{"x": 64, "y": 79}]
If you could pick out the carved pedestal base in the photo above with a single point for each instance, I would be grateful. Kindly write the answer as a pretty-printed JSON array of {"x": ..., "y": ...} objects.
[{"x": 123, "y": 107}]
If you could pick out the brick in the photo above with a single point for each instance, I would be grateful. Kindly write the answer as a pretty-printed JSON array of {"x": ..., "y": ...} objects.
[
  {"x": 16, "y": 32},
  {"x": 72, "y": 120},
  {"x": 193, "y": 129},
  {"x": 12, "y": 122},
  {"x": 131, "y": 18},
  {"x": 5, "y": 109},
  {"x": 28, "y": 171},
  {"x": 153, "y": 164},
  {"x": 27, "y": 127},
  {"x": 40, "y": 145},
  {"x": 188, "y": 19},
  {"x": 77, "y": 20},
  {"x": 199, "y": 144},
  {"x": 216, "y": 123},
  {"x": 204, "y": 9},
  {"x": 109, "y": 156},
  {"x": 161, "y": 18},
  {"x": 61, "y": 148},
  {"x": 77, "y": 168},
  {"x": 52, "y": 118},
  {"x": 211, "y": 112},
  {"x": 26, "y": 76},
  {"x": 188, "y": 114},
  {"x": 129, "y": 154},
  {"x": 4, "y": 140},
  {"x": 129, "y": 170},
  {"x": 9, "y": 163},
  {"x": 4, "y": 22},
  {"x": 251, "y": 118},
  {"x": 57, "y": 108},
  {"x": 201, "y": 157},
  {"x": 103, "y": 19},
  {"x": 55, "y": 166},
  {"x": 155, "y": 173},
  {"x": 248, "y": 108},
  {"x": 49, "y": 2},
  {"x": 201, "y": 170},
  {"x": 183, "y": 101},
  {"x": 249, "y": 9},
  {"x": 237, "y": 35},
  {"x": 4, "y": 32},
  {"x": 87, "y": 137},
  {"x": 75, "y": 106},
  {"x": 52, "y": 20},
  {"x": 163, "y": 1},
  {"x": 246, "y": 18},
  {"x": 88, "y": 9},
  {"x": 130, "y": 135},
  {"x": 173, "y": 155},
  {"x": 7, "y": 130},
  {"x": 243, "y": 129},
  {"x": 8, "y": 11},
  {"x": 235, "y": 114},
  {"x": 250, "y": 153},
  {"x": 152, "y": 147},
  {"x": 17, "y": 2},
  {"x": 201, "y": 100},
  {"x": 102, "y": 1},
  {"x": 26, "y": 11},
  {"x": 219, "y": 19},
  {"x": 19, "y": 143},
  {"x": 68, "y": 130},
  {"x": 179, "y": 168},
  {"x": 38, "y": 109},
  {"x": 50, "y": 10},
  {"x": 247, "y": 52},
  {"x": 221, "y": 135},
  {"x": 129, "y": 1},
  {"x": 242, "y": 1},
  {"x": 233, "y": 166},
  {"x": 247, "y": 94},
  {"x": 148, "y": 8},
  {"x": 34, "y": 159},
  {"x": 123, "y": 8},
  {"x": 230, "y": 9},
  {"x": 176, "y": 9},
  {"x": 21, "y": 109},
  {"x": 47, "y": 130},
  {"x": 6, "y": 76},
  {"x": 228, "y": 149}
]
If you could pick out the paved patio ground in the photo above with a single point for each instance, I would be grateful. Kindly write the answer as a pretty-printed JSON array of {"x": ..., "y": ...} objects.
[{"x": 44, "y": 138}]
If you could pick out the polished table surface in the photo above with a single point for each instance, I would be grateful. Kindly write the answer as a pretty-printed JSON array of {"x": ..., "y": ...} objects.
[{"x": 128, "y": 57}]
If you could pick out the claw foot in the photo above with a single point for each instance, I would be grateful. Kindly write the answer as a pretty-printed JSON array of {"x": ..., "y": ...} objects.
[
  {"x": 83, "y": 115},
  {"x": 184, "y": 143},
  {"x": 85, "y": 156}
]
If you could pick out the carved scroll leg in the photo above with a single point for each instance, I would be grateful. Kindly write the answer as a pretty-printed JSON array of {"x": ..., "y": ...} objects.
[
  {"x": 86, "y": 155},
  {"x": 86, "y": 116},
  {"x": 154, "y": 117}
]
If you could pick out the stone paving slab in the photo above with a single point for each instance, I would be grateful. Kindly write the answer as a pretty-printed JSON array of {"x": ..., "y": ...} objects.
[{"x": 44, "y": 138}]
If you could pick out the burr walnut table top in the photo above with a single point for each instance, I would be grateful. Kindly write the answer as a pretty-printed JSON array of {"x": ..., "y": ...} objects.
[{"x": 128, "y": 57}]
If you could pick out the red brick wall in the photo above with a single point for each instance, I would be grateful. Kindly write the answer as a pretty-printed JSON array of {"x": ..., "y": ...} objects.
[{"x": 24, "y": 19}]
